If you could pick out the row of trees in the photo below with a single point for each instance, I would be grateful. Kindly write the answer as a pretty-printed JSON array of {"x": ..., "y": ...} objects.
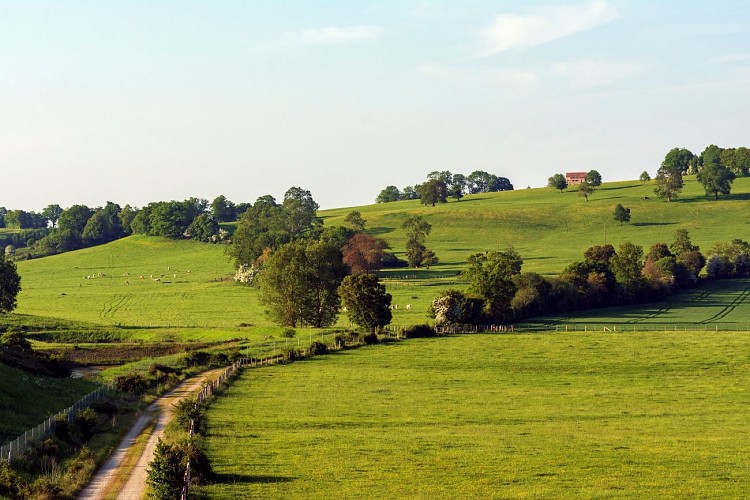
[
  {"x": 500, "y": 292},
  {"x": 715, "y": 169},
  {"x": 20, "y": 219},
  {"x": 441, "y": 185}
]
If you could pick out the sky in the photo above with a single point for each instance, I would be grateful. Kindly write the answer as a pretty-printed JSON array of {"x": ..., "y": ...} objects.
[{"x": 147, "y": 100}]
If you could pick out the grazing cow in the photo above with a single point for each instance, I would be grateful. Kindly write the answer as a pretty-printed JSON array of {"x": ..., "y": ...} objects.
[
  {"x": 127, "y": 282},
  {"x": 141, "y": 276},
  {"x": 396, "y": 307},
  {"x": 344, "y": 309},
  {"x": 408, "y": 307},
  {"x": 174, "y": 275},
  {"x": 188, "y": 271},
  {"x": 157, "y": 279}
]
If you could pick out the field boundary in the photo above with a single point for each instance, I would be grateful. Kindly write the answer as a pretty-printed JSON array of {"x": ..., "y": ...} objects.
[{"x": 22, "y": 443}]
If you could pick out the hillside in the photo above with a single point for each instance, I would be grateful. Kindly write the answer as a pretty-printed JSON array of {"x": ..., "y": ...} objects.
[
  {"x": 548, "y": 228},
  {"x": 28, "y": 399}
]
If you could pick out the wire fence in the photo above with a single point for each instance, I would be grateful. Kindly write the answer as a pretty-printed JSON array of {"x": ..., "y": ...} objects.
[{"x": 22, "y": 443}]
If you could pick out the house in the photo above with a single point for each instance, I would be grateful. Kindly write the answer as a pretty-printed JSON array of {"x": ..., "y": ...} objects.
[{"x": 575, "y": 177}]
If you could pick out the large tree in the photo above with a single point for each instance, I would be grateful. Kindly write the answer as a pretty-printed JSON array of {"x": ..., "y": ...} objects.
[
  {"x": 223, "y": 210},
  {"x": 355, "y": 219},
  {"x": 299, "y": 283},
  {"x": 52, "y": 213},
  {"x": 366, "y": 300},
  {"x": 594, "y": 178},
  {"x": 558, "y": 181},
  {"x": 491, "y": 275},
  {"x": 364, "y": 253},
  {"x": 417, "y": 230},
  {"x": 434, "y": 191},
  {"x": 301, "y": 212},
  {"x": 644, "y": 178},
  {"x": 669, "y": 176},
  {"x": 715, "y": 177},
  {"x": 10, "y": 284},
  {"x": 585, "y": 189},
  {"x": 390, "y": 193},
  {"x": 628, "y": 263}
]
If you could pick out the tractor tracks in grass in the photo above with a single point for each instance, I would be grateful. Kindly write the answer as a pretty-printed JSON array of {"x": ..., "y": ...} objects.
[
  {"x": 729, "y": 308},
  {"x": 124, "y": 474}
]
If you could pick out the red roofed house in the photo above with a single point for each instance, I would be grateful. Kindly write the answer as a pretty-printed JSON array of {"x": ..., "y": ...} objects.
[{"x": 575, "y": 177}]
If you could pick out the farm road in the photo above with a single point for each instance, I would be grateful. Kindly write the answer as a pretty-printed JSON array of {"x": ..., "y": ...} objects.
[{"x": 135, "y": 485}]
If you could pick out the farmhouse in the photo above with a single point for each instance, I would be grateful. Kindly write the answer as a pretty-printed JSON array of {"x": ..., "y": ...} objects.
[{"x": 575, "y": 177}]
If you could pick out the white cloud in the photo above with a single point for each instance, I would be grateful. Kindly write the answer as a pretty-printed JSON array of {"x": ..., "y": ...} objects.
[
  {"x": 512, "y": 77},
  {"x": 589, "y": 73},
  {"x": 511, "y": 31},
  {"x": 731, "y": 58},
  {"x": 330, "y": 35}
]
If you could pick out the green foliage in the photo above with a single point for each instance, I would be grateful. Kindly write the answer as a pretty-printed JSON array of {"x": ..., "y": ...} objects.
[
  {"x": 418, "y": 332},
  {"x": 389, "y": 194},
  {"x": 644, "y": 177},
  {"x": 185, "y": 411},
  {"x": 594, "y": 178},
  {"x": 417, "y": 229},
  {"x": 452, "y": 307},
  {"x": 165, "y": 471},
  {"x": 204, "y": 228},
  {"x": 223, "y": 210},
  {"x": 10, "y": 284},
  {"x": 434, "y": 191},
  {"x": 715, "y": 177},
  {"x": 289, "y": 333},
  {"x": 366, "y": 300},
  {"x": 621, "y": 214},
  {"x": 558, "y": 181},
  {"x": 585, "y": 189},
  {"x": 299, "y": 283},
  {"x": 627, "y": 264},
  {"x": 490, "y": 276},
  {"x": 355, "y": 219}
]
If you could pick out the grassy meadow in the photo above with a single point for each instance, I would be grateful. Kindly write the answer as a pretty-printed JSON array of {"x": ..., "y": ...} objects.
[
  {"x": 493, "y": 416},
  {"x": 550, "y": 230},
  {"x": 723, "y": 305},
  {"x": 29, "y": 399}
]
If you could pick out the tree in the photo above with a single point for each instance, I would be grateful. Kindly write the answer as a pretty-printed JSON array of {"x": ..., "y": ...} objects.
[
  {"x": 443, "y": 175},
  {"x": 417, "y": 230},
  {"x": 223, "y": 210},
  {"x": 457, "y": 186},
  {"x": 678, "y": 161},
  {"x": 434, "y": 191},
  {"x": 411, "y": 192},
  {"x": 299, "y": 283},
  {"x": 715, "y": 177},
  {"x": 73, "y": 220},
  {"x": 261, "y": 226},
  {"x": 354, "y": 218},
  {"x": 126, "y": 216},
  {"x": 364, "y": 253},
  {"x": 453, "y": 307},
  {"x": 622, "y": 214},
  {"x": 300, "y": 210},
  {"x": 645, "y": 177},
  {"x": 668, "y": 184},
  {"x": 600, "y": 254},
  {"x": 166, "y": 470},
  {"x": 10, "y": 284},
  {"x": 742, "y": 161},
  {"x": 52, "y": 213},
  {"x": 366, "y": 300},
  {"x": 558, "y": 181},
  {"x": 594, "y": 178},
  {"x": 628, "y": 263},
  {"x": 490, "y": 276},
  {"x": 203, "y": 228},
  {"x": 389, "y": 194},
  {"x": 585, "y": 189}
]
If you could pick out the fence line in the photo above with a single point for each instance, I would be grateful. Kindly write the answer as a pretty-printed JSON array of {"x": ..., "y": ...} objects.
[{"x": 23, "y": 442}]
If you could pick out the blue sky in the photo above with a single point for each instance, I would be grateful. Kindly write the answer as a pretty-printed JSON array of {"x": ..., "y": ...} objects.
[{"x": 144, "y": 101}]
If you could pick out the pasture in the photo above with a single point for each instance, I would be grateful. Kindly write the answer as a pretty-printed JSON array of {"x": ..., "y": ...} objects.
[
  {"x": 715, "y": 305},
  {"x": 488, "y": 416},
  {"x": 548, "y": 228}
]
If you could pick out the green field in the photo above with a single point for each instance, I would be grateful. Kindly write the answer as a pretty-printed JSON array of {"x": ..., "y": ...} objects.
[
  {"x": 722, "y": 305},
  {"x": 28, "y": 400},
  {"x": 493, "y": 416},
  {"x": 549, "y": 229}
]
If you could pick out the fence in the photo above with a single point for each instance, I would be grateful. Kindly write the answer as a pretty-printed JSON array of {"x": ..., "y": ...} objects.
[{"x": 23, "y": 442}]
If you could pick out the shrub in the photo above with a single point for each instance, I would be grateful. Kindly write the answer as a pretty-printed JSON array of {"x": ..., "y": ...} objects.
[
  {"x": 85, "y": 421},
  {"x": 186, "y": 410},
  {"x": 370, "y": 339},
  {"x": 289, "y": 333},
  {"x": 419, "y": 331},
  {"x": 9, "y": 481},
  {"x": 165, "y": 471},
  {"x": 317, "y": 348},
  {"x": 133, "y": 383},
  {"x": 196, "y": 358}
]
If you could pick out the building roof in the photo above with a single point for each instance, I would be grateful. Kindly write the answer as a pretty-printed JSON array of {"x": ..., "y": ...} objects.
[{"x": 575, "y": 175}]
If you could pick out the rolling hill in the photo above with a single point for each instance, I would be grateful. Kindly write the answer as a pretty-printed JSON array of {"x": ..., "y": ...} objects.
[{"x": 114, "y": 284}]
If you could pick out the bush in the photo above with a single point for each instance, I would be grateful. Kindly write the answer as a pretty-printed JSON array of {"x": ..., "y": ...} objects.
[
  {"x": 419, "y": 331},
  {"x": 85, "y": 421},
  {"x": 317, "y": 348},
  {"x": 165, "y": 471},
  {"x": 9, "y": 481},
  {"x": 289, "y": 333},
  {"x": 196, "y": 358},
  {"x": 133, "y": 383},
  {"x": 370, "y": 339},
  {"x": 186, "y": 410}
]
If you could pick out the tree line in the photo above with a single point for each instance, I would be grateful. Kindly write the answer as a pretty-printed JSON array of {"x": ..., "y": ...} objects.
[
  {"x": 441, "y": 185},
  {"x": 56, "y": 230},
  {"x": 500, "y": 293}
]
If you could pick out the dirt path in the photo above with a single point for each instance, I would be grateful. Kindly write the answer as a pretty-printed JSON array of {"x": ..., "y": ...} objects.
[{"x": 135, "y": 485}]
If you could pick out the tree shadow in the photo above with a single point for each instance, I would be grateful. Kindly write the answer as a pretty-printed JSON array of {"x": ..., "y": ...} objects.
[
  {"x": 646, "y": 224},
  {"x": 250, "y": 479},
  {"x": 379, "y": 230}
]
